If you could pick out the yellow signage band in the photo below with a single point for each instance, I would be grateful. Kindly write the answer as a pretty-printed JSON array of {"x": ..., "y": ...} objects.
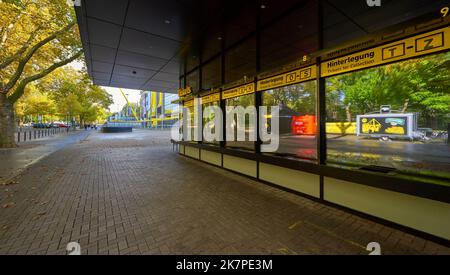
[
  {"x": 415, "y": 46},
  {"x": 210, "y": 98},
  {"x": 239, "y": 91},
  {"x": 184, "y": 92},
  {"x": 294, "y": 77},
  {"x": 189, "y": 103}
]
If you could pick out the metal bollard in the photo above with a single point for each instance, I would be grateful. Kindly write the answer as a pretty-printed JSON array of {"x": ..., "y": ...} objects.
[
  {"x": 34, "y": 133},
  {"x": 18, "y": 136},
  {"x": 24, "y": 136}
]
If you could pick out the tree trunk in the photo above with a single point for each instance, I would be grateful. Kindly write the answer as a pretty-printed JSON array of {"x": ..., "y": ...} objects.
[
  {"x": 348, "y": 113},
  {"x": 7, "y": 123}
]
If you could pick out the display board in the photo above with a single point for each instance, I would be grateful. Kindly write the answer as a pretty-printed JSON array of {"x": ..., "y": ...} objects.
[
  {"x": 297, "y": 76},
  {"x": 391, "y": 124},
  {"x": 415, "y": 46},
  {"x": 210, "y": 98},
  {"x": 239, "y": 91}
]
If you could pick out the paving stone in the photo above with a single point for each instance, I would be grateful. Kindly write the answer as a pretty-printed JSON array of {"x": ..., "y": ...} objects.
[{"x": 130, "y": 194}]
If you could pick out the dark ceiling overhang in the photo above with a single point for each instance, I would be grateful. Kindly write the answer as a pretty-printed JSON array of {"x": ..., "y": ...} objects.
[
  {"x": 143, "y": 44},
  {"x": 134, "y": 44}
]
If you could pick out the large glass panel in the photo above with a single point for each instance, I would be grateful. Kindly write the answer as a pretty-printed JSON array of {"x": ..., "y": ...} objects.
[
  {"x": 350, "y": 19},
  {"x": 292, "y": 37},
  {"x": 394, "y": 116},
  {"x": 297, "y": 119},
  {"x": 192, "y": 80},
  {"x": 240, "y": 18},
  {"x": 211, "y": 74},
  {"x": 190, "y": 123},
  {"x": 240, "y": 61},
  {"x": 170, "y": 110},
  {"x": 210, "y": 119},
  {"x": 243, "y": 101}
]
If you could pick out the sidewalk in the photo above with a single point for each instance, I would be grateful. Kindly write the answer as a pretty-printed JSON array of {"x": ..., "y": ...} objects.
[
  {"x": 16, "y": 160},
  {"x": 129, "y": 193}
]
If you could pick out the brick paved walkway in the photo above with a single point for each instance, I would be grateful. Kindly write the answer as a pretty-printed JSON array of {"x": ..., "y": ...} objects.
[{"x": 129, "y": 194}]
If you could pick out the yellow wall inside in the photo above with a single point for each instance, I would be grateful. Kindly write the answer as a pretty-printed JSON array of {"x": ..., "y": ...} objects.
[
  {"x": 211, "y": 157},
  {"x": 192, "y": 152},
  {"x": 296, "y": 180},
  {"x": 419, "y": 213},
  {"x": 243, "y": 166}
]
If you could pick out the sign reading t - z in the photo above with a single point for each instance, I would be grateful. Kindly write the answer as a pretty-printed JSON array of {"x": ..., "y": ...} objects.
[{"x": 415, "y": 46}]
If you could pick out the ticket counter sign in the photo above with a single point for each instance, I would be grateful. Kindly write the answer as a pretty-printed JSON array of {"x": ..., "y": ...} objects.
[
  {"x": 189, "y": 103},
  {"x": 210, "y": 98},
  {"x": 386, "y": 125},
  {"x": 239, "y": 91},
  {"x": 290, "y": 78},
  {"x": 184, "y": 92},
  {"x": 415, "y": 46}
]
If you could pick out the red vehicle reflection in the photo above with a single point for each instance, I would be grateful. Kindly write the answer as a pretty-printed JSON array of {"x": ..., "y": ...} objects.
[{"x": 303, "y": 125}]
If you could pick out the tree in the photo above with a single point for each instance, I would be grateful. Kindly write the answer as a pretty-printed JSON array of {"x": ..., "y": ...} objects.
[
  {"x": 419, "y": 85},
  {"x": 76, "y": 94},
  {"x": 36, "y": 37}
]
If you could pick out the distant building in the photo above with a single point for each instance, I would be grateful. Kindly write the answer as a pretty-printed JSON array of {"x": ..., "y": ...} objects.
[{"x": 157, "y": 109}]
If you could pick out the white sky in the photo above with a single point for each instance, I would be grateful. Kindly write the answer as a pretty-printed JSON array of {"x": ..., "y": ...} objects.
[{"x": 119, "y": 100}]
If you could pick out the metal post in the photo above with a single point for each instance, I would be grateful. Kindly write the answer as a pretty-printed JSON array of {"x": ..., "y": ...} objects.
[
  {"x": 18, "y": 136},
  {"x": 24, "y": 136},
  {"x": 34, "y": 134}
]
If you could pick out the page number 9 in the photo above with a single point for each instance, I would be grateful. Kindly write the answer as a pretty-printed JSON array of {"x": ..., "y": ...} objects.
[{"x": 444, "y": 11}]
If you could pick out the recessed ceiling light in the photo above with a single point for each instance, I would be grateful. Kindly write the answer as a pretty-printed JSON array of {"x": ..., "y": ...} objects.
[
  {"x": 263, "y": 6},
  {"x": 167, "y": 21},
  {"x": 219, "y": 38}
]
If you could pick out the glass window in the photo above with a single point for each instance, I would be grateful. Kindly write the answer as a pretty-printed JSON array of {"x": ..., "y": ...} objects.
[
  {"x": 170, "y": 110},
  {"x": 211, "y": 74},
  {"x": 395, "y": 116},
  {"x": 350, "y": 19},
  {"x": 192, "y": 80},
  {"x": 240, "y": 61},
  {"x": 190, "y": 122},
  {"x": 243, "y": 101},
  {"x": 240, "y": 20},
  {"x": 297, "y": 119},
  {"x": 289, "y": 39},
  {"x": 210, "y": 119}
]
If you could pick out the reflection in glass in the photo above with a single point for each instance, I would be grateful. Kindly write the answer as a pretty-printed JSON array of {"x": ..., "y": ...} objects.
[
  {"x": 210, "y": 119},
  {"x": 297, "y": 119},
  {"x": 243, "y": 101},
  {"x": 394, "y": 116}
]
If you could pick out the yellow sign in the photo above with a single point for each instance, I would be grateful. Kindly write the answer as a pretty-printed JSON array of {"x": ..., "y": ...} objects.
[
  {"x": 238, "y": 91},
  {"x": 293, "y": 77},
  {"x": 184, "y": 92},
  {"x": 373, "y": 126},
  {"x": 418, "y": 45},
  {"x": 210, "y": 98},
  {"x": 189, "y": 103}
]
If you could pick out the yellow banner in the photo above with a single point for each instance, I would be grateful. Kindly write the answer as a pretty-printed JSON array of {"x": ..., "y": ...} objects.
[
  {"x": 189, "y": 103},
  {"x": 290, "y": 78},
  {"x": 239, "y": 91},
  {"x": 184, "y": 92},
  {"x": 210, "y": 98},
  {"x": 415, "y": 46}
]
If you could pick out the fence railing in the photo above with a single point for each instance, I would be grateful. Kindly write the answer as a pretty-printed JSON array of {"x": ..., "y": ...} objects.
[{"x": 27, "y": 134}]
